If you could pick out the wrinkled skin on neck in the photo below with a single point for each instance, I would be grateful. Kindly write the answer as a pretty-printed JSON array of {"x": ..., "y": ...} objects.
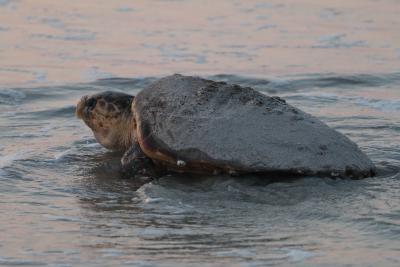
[{"x": 109, "y": 116}]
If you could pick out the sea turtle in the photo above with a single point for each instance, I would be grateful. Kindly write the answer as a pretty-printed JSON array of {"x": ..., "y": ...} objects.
[{"x": 189, "y": 124}]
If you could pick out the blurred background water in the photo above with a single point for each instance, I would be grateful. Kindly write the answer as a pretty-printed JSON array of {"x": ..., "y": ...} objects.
[{"x": 62, "y": 202}]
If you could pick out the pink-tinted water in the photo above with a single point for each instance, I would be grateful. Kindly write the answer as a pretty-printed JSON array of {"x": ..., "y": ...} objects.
[
  {"x": 62, "y": 201},
  {"x": 64, "y": 41}
]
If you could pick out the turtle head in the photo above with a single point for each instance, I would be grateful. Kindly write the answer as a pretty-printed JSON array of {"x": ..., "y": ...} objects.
[{"x": 109, "y": 116}]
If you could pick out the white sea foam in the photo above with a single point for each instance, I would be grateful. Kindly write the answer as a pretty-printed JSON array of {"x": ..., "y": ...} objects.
[
  {"x": 152, "y": 200},
  {"x": 88, "y": 145},
  {"x": 60, "y": 156},
  {"x": 143, "y": 194},
  {"x": 8, "y": 159},
  {"x": 299, "y": 255},
  {"x": 380, "y": 104}
]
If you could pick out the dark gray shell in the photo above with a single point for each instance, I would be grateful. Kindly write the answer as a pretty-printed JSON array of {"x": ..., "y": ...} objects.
[{"x": 212, "y": 126}]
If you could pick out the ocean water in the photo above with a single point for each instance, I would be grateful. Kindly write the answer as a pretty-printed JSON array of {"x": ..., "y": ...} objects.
[{"x": 62, "y": 200}]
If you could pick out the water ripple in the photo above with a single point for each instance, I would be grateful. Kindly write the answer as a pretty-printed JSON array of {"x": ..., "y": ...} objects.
[{"x": 58, "y": 182}]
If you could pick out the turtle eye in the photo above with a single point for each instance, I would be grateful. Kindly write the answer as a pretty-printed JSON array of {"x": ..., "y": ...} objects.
[{"x": 91, "y": 103}]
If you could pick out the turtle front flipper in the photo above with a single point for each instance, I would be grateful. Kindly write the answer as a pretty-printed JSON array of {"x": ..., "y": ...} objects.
[{"x": 136, "y": 163}]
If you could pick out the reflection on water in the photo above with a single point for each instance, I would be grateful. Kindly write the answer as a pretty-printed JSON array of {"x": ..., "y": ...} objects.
[
  {"x": 63, "y": 201},
  {"x": 68, "y": 41}
]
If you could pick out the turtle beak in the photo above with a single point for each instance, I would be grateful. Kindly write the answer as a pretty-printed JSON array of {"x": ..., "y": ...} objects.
[{"x": 84, "y": 106}]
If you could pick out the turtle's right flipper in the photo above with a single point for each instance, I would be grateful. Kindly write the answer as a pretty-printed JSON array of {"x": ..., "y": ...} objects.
[{"x": 136, "y": 163}]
